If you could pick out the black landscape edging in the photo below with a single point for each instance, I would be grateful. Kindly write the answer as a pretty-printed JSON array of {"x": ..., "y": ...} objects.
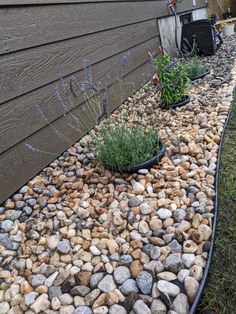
[
  {"x": 201, "y": 288},
  {"x": 194, "y": 78},
  {"x": 180, "y": 103}
]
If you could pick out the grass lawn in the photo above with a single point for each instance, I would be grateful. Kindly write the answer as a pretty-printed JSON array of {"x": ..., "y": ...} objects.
[{"x": 220, "y": 292}]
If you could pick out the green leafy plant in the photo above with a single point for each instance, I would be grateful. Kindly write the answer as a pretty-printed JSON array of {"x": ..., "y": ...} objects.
[
  {"x": 121, "y": 145},
  {"x": 174, "y": 80},
  {"x": 194, "y": 67}
]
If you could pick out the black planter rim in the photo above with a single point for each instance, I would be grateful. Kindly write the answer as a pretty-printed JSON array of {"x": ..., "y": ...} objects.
[
  {"x": 185, "y": 100},
  {"x": 194, "y": 78},
  {"x": 144, "y": 165}
]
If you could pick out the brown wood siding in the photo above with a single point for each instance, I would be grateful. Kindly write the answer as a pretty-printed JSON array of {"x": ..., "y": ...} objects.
[
  {"x": 43, "y": 40},
  {"x": 215, "y": 8}
]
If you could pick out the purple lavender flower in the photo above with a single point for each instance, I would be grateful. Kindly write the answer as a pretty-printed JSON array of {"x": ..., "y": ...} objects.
[
  {"x": 126, "y": 59},
  {"x": 63, "y": 105},
  {"x": 29, "y": 146},
  {"x": 39, "y": 110}
]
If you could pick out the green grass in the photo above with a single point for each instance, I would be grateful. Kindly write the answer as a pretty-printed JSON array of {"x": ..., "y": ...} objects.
[{"x": 220, "y": 293}]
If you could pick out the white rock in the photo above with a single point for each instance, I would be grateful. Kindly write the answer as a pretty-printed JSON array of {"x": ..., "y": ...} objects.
[
  {"x": 188, "y": 259},
  {"x": 168, "y": 288},
  {"x": 164, "y": 213}
]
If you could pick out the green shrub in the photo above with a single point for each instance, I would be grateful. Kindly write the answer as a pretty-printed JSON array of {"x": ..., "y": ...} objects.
[
  {"x": 194, "y": 67},
  {"x": 174, "y": 80},
  {"x": 120, "y": 146}
]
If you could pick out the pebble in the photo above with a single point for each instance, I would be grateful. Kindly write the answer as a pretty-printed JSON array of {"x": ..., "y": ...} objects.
[
  {"x": 173, "y": 263},
  {"x": 121, "y": 274},
  {"x": 144, "y": 282},
  {"x": 117, "y": 309},
  {"x": 107, "y": 284},
  {"x": 168, "y": 288},
  {"x": 63, "y": 247},
  {"x": 191, "y": 286},
  {"x": 6, "y": 225},
  {"x": 180, "y": 304},
  {"x": 141, "y": 308},
  {"x": 83, "y": 310},
  {"x": 158, "y": 307},
  {"x": 164, "y": 213},
  {"x": 145, "y": 209},
  {"x": 41, "y": 304},
  {"x": 188, "y": 259},
  {"x": 129, "y": 286}
]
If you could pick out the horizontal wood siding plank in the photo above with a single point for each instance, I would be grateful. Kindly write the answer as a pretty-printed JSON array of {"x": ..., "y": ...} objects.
[
  {"x": 19, "y": 164},
  {"x": 26, "y": 70},
  {"x": 25, "y": 27},
  {"x": 36, "y": 2},
  {"x": 19, "y": 117}
]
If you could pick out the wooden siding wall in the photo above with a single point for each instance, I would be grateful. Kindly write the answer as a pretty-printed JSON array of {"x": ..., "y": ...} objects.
[
  {"x": 42, "y": 40},
  {"x": 215, "y": 8}
]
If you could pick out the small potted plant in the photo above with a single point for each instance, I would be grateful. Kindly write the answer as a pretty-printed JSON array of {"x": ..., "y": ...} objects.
[
  {"x": 174, "y": 81},
  {"x": 195, "y": 69},
  {"x": 125, "y": 147}
]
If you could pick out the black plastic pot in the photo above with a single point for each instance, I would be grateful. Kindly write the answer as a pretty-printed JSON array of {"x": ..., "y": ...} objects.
[
  {"x": 180, "y": 103},
  {"x": 194, "y": 78},
  {"x": 146, "y": 164}
]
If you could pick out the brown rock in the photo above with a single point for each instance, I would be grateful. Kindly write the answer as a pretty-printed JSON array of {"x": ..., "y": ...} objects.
[
  {"x": 82, "y": 278},
  {"x": 136, "y": 267}
]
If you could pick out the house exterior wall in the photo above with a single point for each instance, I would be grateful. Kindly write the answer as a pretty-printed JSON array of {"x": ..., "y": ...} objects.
[
  {"x": 43, "y": 40},
  {"x": 168, "y": 23}
]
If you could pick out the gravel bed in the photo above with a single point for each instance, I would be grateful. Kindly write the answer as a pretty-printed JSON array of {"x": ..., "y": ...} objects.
[{"x": 80, "y": 239}]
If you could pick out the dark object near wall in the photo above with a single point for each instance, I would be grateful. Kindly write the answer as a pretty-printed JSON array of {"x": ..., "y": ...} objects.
[{"x": 201, "y": 37}]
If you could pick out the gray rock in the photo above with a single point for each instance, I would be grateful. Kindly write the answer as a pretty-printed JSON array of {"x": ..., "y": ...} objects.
[
  {"x": 173, "y": 263},
  {"x": 141, "y": 308},
  {"x": 6, "y": 225},
  {"x": 155, "y": 253},
  {"x": 31, "y": 202},
  {"x": 30, "y": 297},
  {"x": 180, "y": 304},
  {"x": 117, "y": 309},
  {"x": 107, "y": 284},
  {"x": 54, "y": 292},
  {"x": 134, "y": 202},
  {"x": 145, "y": 209},
  {"x": 27, "y": 210},
  {"x": 80, "y": 290},
  {"x": 183, "y": 273},
  {"x": 83, "y": 309},
  {"x": 121, "y": 274},
  {"x": 129, "y": 286},
  {"x": 24, "y": 189},
  {"x": 179, "y": 215},
  {"x": 20, "y": 204},
  {"x": 144, "y": 282},
  {"x": 38, "y": 280},
  {"x": 95, "y": 279},
  {"x": 63, "y": 247},
  {"x": 6, "y": 241},
  {"x": 158, "y": 307},
  {"x": 126, "y": 260},
  {"x": 175, "y": 247}
]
